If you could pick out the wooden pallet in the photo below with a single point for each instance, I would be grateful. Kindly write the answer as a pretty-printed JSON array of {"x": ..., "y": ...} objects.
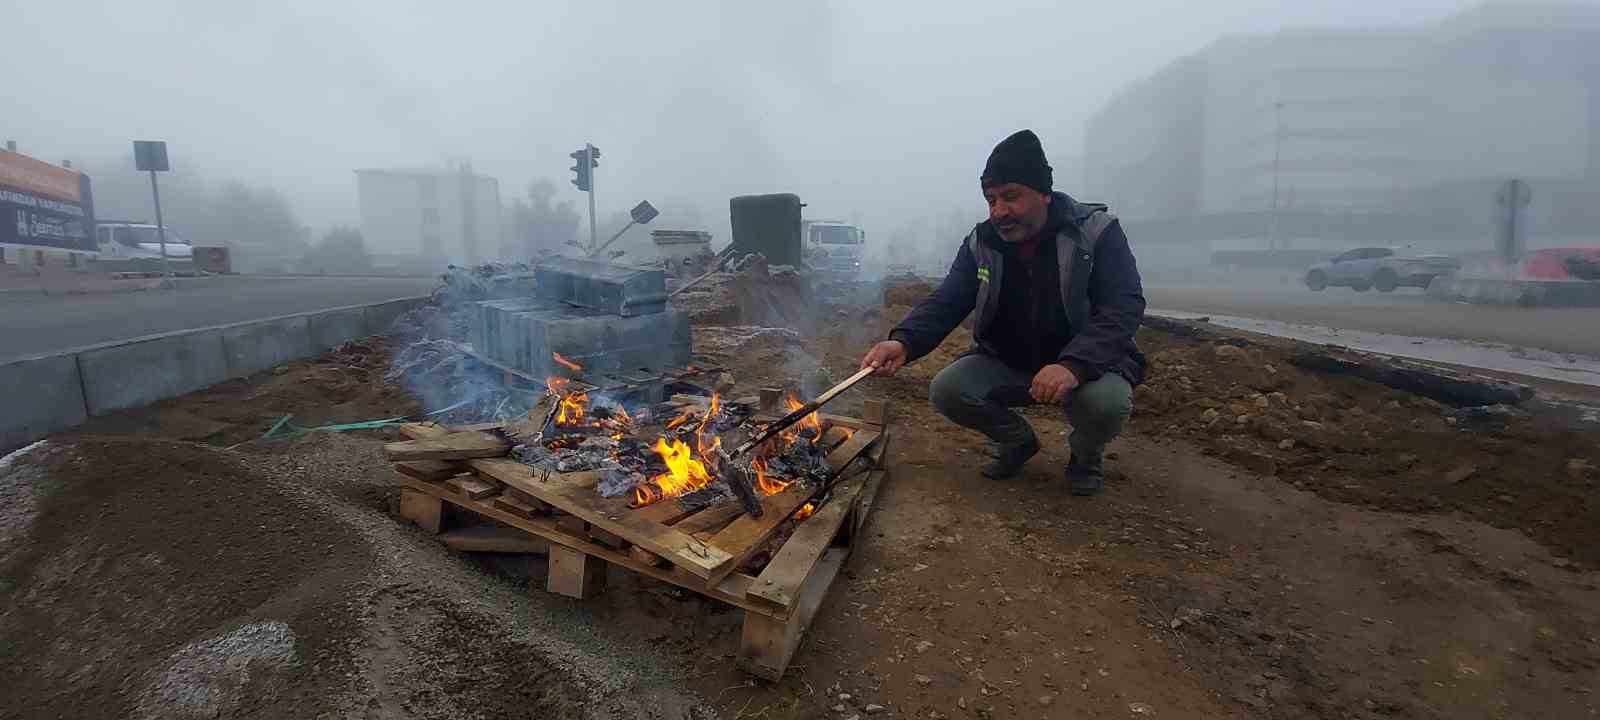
[{"x": 701, "y": 550}]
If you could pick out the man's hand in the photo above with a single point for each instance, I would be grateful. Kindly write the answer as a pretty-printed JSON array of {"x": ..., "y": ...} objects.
[
  {"x": 1052, "y": 384},
  {"x": 886, "y": 357}
]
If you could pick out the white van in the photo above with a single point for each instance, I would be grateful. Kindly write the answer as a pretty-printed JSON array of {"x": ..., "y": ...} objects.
[{"x": 133, "y": 241}]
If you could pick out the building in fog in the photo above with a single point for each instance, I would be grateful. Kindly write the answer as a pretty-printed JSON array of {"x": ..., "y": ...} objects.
[
  {"x": 429, "y": 217},
  {"x": 1333, "y": 137}
]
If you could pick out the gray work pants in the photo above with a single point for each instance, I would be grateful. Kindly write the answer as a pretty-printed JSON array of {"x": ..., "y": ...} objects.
[{"x": 977, "y": 391}]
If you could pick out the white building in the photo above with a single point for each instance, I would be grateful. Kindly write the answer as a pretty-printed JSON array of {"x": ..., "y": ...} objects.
[
  {"x": 434, "y": 216},
  {"x": 1361, "y": 121}
]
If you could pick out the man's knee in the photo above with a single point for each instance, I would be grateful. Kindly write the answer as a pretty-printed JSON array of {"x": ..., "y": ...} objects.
[
  {"x": 947, "y": 392},
  {"x": 1103, "y": 404}
]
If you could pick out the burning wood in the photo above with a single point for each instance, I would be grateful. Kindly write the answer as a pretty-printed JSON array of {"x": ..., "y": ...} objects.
[{"x": 584, "y": 430}]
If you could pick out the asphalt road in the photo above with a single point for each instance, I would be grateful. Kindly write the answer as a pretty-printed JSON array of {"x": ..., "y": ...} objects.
[
  {"x": 1405, "y": 312},
  {"x": 34, "y": 323}
]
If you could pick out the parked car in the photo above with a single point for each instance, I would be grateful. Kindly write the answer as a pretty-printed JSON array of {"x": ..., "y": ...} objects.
[{"x": 1379, "y": 267}]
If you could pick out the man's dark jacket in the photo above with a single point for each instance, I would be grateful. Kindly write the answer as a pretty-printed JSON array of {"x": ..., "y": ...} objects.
[{"x": 1098, "y": 281}]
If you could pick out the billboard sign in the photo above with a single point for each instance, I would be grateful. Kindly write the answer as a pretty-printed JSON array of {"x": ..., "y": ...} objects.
[{"x": 44, "y": 207}]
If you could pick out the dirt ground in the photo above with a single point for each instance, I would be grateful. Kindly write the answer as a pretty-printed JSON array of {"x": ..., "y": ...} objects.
[{"x": 1241, "y": 564}]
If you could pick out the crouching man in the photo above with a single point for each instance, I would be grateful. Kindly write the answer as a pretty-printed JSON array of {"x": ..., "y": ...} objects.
[{"x": 1057, "y": 299}]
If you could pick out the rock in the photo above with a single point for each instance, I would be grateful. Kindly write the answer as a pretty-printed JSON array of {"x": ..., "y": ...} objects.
[
  {"x": 1286, "y": 444},
  {"x": 1278, "y": 397},
  {"x": 1460, "y": 474},
  {"x": 1045, "y": 700},
  {"x": 1210, "y": 415},
  {"x": 854, "y": 716},
  {"x": 923, "y": 680},
  {"x": 1231, "y": 353},
  {"x": 1507, "y": 499},
  {"x": 1242, "y": 419},
  {"x": 1141, "y": 709},
  {"x": 1271, "y": 370},
  {"x": 1311, "y": 424},
  {"x": 1261, "y": 401},
  {"x": 1406, "y": 458},
  {"x": 873, "y": 708},
  {"x": 844, "y": 697},
  {"x": 924, "y": 646},
  {"x": 839, "y": 708},
  {"x": 1578, "y": 468},
  {"x": 725, "y": 383}
]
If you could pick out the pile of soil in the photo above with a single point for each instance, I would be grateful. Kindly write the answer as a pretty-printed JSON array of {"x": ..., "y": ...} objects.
[
  {"x": 152, "y": 578},
  {"x": 1359, "y": 442}
]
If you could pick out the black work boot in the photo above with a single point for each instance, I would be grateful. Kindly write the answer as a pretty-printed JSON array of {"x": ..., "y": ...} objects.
[
  {"x": 1086, "y": 475},
  {"x": 1009, "y": 459}
]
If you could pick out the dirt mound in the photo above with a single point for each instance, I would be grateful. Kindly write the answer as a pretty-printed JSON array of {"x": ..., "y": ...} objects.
[
  {"x": 157, "y": 579},
  {"x": 907, "y": 293},
  {"x": 1363, "y": 443},
  {"x": 164, "y": 580}
]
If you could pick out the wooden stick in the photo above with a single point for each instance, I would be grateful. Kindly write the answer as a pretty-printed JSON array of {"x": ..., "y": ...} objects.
[{"x": 784, "y": 422}]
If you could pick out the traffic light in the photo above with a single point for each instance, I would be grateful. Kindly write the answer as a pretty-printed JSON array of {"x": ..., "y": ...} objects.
[
  {"x": 584, "y": 161},
  {"x": 583, "y": 169}
]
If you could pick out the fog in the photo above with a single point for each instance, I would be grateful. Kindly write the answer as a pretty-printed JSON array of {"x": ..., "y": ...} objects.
[{"x": 878, "y": 113}]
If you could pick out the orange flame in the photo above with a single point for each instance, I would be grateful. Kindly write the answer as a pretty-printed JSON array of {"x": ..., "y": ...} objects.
[
  {"x": 680, "y": 420},
  {"x": 805, "y": 511},
  {"x": 704, "y": 447},
  {"x": 767, "y": 484},
  {"x": 563, "y": 362},
  {"x": 809, "y": 422},
  {"x": 572, "y": 407},
  {"x": 685, "y": 474}
]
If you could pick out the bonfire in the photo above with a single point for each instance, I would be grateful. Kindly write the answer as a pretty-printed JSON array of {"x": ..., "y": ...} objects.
[{"x": 652, "y": 454}]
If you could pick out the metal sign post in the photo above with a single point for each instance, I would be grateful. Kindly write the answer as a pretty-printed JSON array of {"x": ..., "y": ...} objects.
[
  {"x": 151, "y": 156},
  {"x": 641, "y": 214}
]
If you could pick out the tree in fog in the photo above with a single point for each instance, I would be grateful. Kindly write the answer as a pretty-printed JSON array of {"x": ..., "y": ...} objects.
[
  {"x": 538, "y": 224},
  {"x": 341, "y": 250}
]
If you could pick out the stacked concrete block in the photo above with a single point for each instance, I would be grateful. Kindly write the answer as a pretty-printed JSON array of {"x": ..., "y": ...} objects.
[
  {"x": 616, "y": 289},
  {"x": 611, "y": 319}
]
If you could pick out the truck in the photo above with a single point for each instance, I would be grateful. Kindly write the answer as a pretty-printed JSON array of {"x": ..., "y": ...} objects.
[{"x": 833, "y": 248}]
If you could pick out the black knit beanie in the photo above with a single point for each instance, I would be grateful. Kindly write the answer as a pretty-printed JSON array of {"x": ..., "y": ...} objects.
[{"x": 1018, "y": 159}]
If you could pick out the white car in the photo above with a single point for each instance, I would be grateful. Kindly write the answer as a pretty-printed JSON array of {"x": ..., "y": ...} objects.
[
  {"x": 1379, "y": 267},
  {"x": 136, "y": 241}
]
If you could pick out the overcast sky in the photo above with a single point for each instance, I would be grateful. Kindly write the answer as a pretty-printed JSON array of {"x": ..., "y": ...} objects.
[{"x": 868, "y": 110}]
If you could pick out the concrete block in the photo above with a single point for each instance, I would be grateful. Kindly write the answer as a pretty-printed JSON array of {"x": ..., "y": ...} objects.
[
  {"x": 607, "y": 343},
  {"x": 615, "y": 289},
  {"x": 381, "y": 316},
  {"x": 139, "y": 373},
  {"x": 336, "y": 327},
  {"x": 265, "y": 344},
  {"x": 42, "y": 395}
]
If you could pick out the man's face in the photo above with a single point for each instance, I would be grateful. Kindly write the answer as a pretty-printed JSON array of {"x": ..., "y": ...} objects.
[{"x": 1017, "y": 211}]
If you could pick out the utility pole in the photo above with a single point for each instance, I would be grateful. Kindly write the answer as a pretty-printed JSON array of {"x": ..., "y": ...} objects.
[{"x": 1277, "y": 160}]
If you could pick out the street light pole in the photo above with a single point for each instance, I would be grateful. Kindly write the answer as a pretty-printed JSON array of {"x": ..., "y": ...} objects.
[{"x": 1277, "y": 159}]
